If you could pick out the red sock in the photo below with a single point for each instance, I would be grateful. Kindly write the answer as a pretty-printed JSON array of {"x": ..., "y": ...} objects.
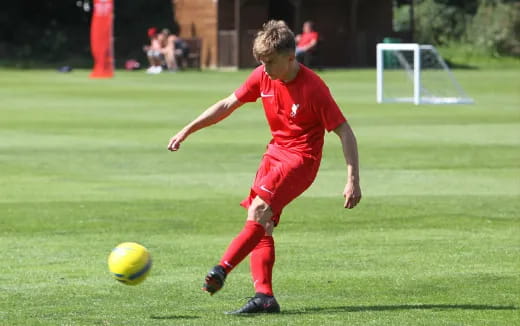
[
  {"x": 242, "y": 245},
  {"x": 262, "y": 262}
]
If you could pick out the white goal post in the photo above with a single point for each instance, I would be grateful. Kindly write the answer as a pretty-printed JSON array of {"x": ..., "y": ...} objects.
[{"x": 411, "y": 72}]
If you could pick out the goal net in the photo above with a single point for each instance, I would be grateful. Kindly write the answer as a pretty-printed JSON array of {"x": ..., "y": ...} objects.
[{"x": 409, "y": 72}]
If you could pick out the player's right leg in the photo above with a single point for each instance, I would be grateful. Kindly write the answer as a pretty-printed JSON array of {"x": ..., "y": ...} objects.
[
  {"x": 262, "y": 262},
  {"x": 260, "y": 303}
]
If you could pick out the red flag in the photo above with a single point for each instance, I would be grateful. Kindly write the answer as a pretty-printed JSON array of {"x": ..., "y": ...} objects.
[{"x": 101, "y": 42}]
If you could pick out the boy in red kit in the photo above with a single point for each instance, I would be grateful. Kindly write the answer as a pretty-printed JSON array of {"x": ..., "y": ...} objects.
[{"x": 299, "y": 108}]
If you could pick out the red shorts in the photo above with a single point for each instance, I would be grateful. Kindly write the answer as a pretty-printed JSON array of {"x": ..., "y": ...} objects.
[{"x": 282, "y": 176}]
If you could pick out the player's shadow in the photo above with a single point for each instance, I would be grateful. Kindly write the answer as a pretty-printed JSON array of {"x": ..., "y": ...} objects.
[
  {"x": 174, "y": 317},
  {"x": 327, "y": 310}
]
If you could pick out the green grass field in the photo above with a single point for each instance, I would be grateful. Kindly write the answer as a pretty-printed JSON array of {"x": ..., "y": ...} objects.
[{"x": 84, "y": 166}]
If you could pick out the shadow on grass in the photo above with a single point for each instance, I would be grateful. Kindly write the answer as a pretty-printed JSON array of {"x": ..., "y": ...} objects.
[
  {"x": 397, "y": 307},
  {"x": 174, "y": 317},
  {"x": 458, "y": 65}
]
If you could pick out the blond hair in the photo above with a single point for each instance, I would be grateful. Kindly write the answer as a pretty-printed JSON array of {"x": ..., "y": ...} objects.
[{"x": 275, "y": 36}]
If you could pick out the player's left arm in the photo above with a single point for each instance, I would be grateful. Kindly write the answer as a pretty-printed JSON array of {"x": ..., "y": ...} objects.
[{"x": 352, "y": 190}]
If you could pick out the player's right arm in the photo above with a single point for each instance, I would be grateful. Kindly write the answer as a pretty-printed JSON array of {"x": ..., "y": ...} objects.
[{"x": 212, "y": 115}]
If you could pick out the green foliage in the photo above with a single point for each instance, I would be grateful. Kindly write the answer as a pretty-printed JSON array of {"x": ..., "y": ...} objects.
[
  {"x": 496, "y": 28},
  {"x": 401, "y": 19},
  {"x": 468, "y": 6},
  {"x": 47, "y": 31},
  {"x": 465, "y": 54},
  {"x": 492, "y": 28},
  {"x": 437, "y": 23}
]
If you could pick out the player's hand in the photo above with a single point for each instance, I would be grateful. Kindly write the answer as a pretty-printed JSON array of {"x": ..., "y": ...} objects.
[
  {"x": 352, "y": 194},
  {"x": 175, "y": 141}
]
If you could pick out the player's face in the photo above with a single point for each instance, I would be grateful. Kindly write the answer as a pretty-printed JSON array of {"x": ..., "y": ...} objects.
[{"x": 277, "y": 65}]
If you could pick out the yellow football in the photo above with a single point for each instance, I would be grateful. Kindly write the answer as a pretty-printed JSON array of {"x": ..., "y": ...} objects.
[{"x": 129, "y": 263}]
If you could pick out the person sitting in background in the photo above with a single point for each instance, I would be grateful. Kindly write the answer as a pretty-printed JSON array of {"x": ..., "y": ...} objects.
[
  {"x": 181, "y": 50},
  {"x": 168, "y": 50},
  {"x": 154, "y": 51},
  {"x": 306, "y": 41},
  {"x": 175, "y": 50}
]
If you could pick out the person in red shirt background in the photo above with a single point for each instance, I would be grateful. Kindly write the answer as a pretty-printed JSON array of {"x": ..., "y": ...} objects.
[
  {"x": 154, "y": 52},
  {"x": 299, "y": 108},
  {"x": 306, "y": 41}
]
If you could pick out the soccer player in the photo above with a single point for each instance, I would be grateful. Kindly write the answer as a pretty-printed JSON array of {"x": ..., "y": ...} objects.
[{"x": 299, "y": 108}]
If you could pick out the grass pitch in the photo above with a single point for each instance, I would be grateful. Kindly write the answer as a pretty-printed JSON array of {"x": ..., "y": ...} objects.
[{"x": 84, "y": 166}]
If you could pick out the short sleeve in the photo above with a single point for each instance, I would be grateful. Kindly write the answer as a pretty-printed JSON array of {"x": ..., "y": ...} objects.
[
  {"x": 250, "y": 89},
  {"x": 329, "y": 112}
]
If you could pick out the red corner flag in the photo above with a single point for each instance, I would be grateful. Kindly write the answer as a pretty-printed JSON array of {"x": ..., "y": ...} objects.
[{"x": 101, "y": 42}]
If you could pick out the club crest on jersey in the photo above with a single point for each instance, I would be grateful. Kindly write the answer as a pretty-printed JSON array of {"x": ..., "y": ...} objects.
[{"x": 294, "y": 110}]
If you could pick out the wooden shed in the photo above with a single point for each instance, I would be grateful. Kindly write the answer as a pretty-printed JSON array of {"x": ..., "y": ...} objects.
[{"x": 349, "y": 29}]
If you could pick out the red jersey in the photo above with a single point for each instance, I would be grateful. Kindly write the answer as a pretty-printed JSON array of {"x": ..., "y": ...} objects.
[
  {"x": 298, "y": 112},
  {"x": 307, "y": 38}
]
